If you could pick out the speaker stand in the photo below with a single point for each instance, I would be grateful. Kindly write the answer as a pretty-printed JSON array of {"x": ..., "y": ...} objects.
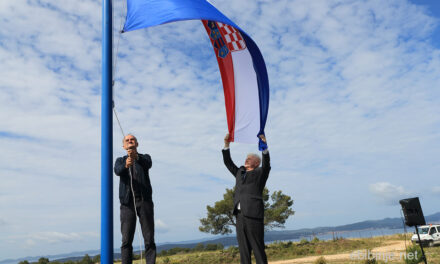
[{"x": 421, "y": 246}]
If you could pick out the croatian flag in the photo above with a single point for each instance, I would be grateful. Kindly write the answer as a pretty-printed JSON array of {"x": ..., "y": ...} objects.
[{"x": 242, "y": 67}]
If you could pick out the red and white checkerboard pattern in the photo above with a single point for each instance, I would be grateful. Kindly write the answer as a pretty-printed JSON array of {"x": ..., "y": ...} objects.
[{"x": 232, "y": 36}]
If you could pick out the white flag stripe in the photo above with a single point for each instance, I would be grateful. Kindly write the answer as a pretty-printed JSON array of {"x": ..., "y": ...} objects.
[
  {"x": 247, "y": 102},
  {"x": 228, "y": 38}
]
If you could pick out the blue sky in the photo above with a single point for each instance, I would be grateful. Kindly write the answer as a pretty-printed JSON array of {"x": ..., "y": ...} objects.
[{"x": 353, "y": 121}]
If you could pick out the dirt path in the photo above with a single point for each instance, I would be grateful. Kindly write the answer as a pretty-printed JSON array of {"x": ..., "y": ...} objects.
[{"x": 392, "y": 246}]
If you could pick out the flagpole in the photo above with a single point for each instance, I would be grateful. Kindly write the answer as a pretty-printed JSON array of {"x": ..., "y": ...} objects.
[{"x": 107, "y": 136}]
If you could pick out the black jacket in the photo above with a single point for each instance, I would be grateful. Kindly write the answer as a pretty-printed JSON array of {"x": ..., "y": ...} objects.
[
  {"x": 142, "y": 166},
  {"x": 249, "y": 189}
]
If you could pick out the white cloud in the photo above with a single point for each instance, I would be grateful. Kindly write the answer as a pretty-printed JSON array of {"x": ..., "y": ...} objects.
[
  {"x": 30, "y": 243},
  {"x": 160, "y": 226},
  {"x": 388, "y": 193},
  {"x": 53, "y": 237},
  {"x": 436, "y": 190}
]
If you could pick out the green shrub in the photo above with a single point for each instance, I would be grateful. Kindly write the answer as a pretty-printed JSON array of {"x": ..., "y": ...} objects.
[
  {"x": 370, "y": 261},
  {"x": 97, "y": 259},
  {"x": 86, "y": 260},
  {"x": 303, "y": 241},
  {"x": 416, "y": 254},
  {"x": 199, "y": 247},
  {"x": 315, "y": 240},
  {"x": 320, "y": 260},
  {"x": 213, "y": 247},
  {"x": 43, "y": 261}
]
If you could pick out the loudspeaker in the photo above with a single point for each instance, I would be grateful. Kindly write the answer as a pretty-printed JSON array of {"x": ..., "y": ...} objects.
[{"x": 412, "y": 211}]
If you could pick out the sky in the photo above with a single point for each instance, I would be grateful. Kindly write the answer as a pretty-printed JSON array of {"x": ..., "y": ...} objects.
[{"x": 353, "y": 122}]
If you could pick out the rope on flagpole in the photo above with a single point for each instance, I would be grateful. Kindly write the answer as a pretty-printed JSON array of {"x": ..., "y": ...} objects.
[
  {"x": 115, "y": 63},
  {"x": 131, "y": 169}
]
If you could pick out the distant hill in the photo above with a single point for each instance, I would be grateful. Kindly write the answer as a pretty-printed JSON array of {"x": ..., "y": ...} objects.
[{"x": 386, "y": 223}]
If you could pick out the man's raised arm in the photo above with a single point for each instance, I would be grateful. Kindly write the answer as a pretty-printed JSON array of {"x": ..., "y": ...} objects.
[
  {"x": 227, "y": 157},
  {"x": 266, "y": 158}
]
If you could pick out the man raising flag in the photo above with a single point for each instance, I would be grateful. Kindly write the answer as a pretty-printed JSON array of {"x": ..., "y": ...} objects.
[{"x": 250, "y": 181}]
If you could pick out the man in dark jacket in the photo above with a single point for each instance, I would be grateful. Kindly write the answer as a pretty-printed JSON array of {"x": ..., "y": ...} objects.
[
  {"x": 135, "y": 195},
  {"x": 250, "y": 180}
]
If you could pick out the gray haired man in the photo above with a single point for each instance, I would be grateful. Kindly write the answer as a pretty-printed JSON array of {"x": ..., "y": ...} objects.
[
  {"x": 250, "y": 181},
  {"x": 135, "y": 195}
]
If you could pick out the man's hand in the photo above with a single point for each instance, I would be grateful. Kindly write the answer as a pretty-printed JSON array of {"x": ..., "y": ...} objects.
[
  {"x": 132, "y": 156},
  {"x": 129, "y": 162},
  {"x": 263, "y": 138},
  {"x": 227, "y": 141}
]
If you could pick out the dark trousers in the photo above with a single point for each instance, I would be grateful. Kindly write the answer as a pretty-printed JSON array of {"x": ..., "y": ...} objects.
[
  {"x": 145, "y": 210},
  {"x": 250, "y": 236}
]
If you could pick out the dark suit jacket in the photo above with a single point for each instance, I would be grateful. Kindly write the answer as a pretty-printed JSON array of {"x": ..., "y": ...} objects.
[
  {"x": 142, "y": 166},
  {"x": 249, "y": 189}
]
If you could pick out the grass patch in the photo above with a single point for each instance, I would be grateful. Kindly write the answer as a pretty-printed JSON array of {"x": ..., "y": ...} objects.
[
  {"x": 291, "y": 250},
  {"x": 274, "y": 251}
]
